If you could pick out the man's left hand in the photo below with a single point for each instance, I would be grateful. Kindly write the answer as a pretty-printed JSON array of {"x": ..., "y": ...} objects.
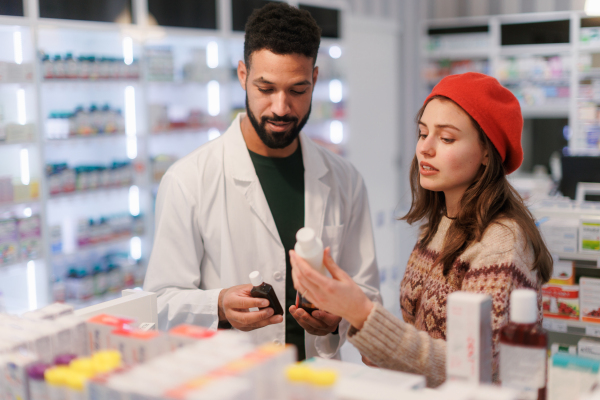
[{"x": 319, "y": 323}]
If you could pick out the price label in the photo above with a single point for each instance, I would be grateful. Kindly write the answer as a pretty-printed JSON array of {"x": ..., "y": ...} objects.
[
  {"x": 555, "y": 325},
  {"x": 592, "y": 331}
]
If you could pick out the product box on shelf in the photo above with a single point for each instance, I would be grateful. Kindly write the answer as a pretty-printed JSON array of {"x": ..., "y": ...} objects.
[
  {"x": 589, "y": 235},
  {"x": 138, "y": 346},
  {"x": 185, "y": 334},
  {"x": 561, "y": 301},
  {"x": 588, "y": 348},
  {"x": 100, "y": 330},
  {"x": 563, "y": 273},
  {"x": 560, "y": 234},
  {"x": 9, "y": 241},
  {"x": 589, "y": 293}
]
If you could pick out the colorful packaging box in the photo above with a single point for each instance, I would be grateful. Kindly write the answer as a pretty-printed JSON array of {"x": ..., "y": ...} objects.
[
  {"x": 563, "y": 273},
  {"x": 589, "y": 293},
  {"x": 100, "y": 329},
  {"x": 561, "y": 301},
  {"x": 589, "y": 235},
  {"x": 185, "y": 334}
]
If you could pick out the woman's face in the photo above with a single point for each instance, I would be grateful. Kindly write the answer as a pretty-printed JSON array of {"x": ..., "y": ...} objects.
[{"x": 449, "y": 151}]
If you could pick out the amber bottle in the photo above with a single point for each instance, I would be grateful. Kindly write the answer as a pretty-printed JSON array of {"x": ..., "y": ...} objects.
[
  {"x": 265, "y": 291},
  {"x": 523, "y": 347}
]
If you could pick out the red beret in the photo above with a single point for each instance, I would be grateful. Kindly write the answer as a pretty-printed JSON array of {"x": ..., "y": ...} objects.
[{"x": 494, "y": 108}]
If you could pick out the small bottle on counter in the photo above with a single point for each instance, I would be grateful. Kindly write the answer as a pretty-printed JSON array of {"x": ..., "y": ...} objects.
[
  {"x": 523, "y": 344},
  {"x": 265, "y": 291},
  {"x": 37, "y": 384},
  {"x": 310, "y": 248}
]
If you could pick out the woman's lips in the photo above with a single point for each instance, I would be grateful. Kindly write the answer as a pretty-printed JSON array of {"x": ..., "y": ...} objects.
[{"x": 427, "y": 169}]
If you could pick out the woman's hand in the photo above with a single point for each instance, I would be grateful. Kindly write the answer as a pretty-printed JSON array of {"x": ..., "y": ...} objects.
[{"x": 338, "y": 295}]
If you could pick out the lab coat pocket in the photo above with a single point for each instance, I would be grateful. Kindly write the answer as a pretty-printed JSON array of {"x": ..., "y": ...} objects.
[{"x": 332, "y": 237}]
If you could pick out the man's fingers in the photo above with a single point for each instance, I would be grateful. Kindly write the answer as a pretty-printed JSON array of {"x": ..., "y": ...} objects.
[
  {"x": 327, "y": 318},
  {"x": 239, "y": 302},
  {"x": 306, "y": 320},
  {"x": 249, "y": 318}
]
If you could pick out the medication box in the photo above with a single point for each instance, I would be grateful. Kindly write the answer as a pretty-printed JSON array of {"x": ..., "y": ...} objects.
[
  {"x": 100, "y": 328},
  {"x": 589, "y": 293},
  {"x": 561, "y": 301},
  {"x": 469, "y": 337},
  {"x": 185, "y": 334},
  {"x": 560, "y": 234},
  {"x": 588, "y": 348},
  {"x": 589, "y": 235},
  {"x": 563, "y": 273},
  {"x": 137, "y": 346}
]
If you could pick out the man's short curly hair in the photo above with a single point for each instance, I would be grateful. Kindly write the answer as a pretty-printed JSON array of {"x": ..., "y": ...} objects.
[{"x": 282, "y": 29}]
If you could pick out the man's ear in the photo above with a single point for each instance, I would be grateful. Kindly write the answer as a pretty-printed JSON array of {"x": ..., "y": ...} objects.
[
  {"x": 315, "y": 76},
  {"x": 242, "y": 73}
]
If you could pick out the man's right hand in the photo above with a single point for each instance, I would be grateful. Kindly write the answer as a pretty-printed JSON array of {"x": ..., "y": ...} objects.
[{"x": 234, "y": 304}]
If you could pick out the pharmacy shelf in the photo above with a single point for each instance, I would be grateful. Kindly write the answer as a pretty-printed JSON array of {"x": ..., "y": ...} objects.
[
  {"x": 10, "y": 205},
  {"x": 572, "y": 327},
  {"x": 79, "y": 193},
  {"x": 579, "y": 257},
  {"x": 124, "y": 81},
  {"x": 186, "y": 131},
  {"x": 6, "y": 144},
  {"x": 99, "y": 136},
  {"x": 19, "y": 262},
  {"x": 474, "y": 54},
  {"x": 535, "y": 50},
  {"x": 546, "y": 111},
  {"x": 97, "y": 246}
]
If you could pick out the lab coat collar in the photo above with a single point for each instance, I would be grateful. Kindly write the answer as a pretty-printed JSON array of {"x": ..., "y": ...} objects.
[{"x": 239, "y": 164}]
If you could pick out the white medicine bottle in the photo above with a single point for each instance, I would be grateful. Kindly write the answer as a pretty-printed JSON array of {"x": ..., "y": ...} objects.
[{"x": 310, "y": 248}]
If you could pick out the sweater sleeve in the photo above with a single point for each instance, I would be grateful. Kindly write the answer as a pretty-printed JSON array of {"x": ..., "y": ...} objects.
[{"x": 392, "y": 343}]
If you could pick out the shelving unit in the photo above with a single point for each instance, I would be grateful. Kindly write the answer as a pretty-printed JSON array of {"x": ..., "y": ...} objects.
[{"x": 160, "y": 114}]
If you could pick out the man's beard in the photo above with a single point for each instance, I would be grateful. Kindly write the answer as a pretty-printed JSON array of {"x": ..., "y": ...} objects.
[{"x": 278, "y": 140}]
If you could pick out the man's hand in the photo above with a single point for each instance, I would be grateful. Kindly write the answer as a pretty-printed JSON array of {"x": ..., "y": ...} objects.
[
  {"x": 319, "y": 323},
  {"x": 234, "y": 305}
]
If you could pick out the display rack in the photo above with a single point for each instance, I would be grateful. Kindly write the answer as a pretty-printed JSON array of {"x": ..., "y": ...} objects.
[{"x": 103, "y": 110}]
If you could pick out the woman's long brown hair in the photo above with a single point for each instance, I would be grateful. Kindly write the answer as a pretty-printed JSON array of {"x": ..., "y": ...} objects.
[{"x": 488, "y": 199}]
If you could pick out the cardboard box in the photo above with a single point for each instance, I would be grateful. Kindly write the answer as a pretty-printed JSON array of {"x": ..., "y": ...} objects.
[
  {"x": 589, "y": 295},
  {"x": 560, "y": 234},
  {"x": 561, "y": 301},
  {"x": 469, "y": 337},
  {"x": 100, "y": 328},
  {"x": 185, "y": 334},
  {"x": 563, "y": 273},
  {"x": 589, "y": 235},
  {"x": 137, "y": 346}
]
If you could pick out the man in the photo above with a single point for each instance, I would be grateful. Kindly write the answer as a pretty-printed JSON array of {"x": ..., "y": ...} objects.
[{"x": 234, "y": 205}]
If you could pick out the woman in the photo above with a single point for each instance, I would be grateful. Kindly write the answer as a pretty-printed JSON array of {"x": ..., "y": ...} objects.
[{"x": 477, "y": 235}]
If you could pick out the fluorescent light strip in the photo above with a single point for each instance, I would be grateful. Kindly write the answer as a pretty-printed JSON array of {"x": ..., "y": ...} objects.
[
  {"x": 21, "y": 112},
  {"x": 212, "y": 55},
  {"x": 214, "y": 98},
  {"x": 336, "y": 132},
  {"x": 134, "y": 201},
  {"x": 31, "y": 286},
  {"x": 132, "y": 147},
  {"x": 25, "y": 178},
  {"x": 135, "y": 248},
  {"x": 128, "y": 50},
  {"x": 130, "y": 123},
  {"x": 18, "y": 45},
  {"x": 335, "y": 90}
]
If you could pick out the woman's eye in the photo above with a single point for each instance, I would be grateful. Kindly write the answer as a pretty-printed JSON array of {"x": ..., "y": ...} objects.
[
  {"x": 422, "y": 136},
  {"x": 448, "y": 140}
]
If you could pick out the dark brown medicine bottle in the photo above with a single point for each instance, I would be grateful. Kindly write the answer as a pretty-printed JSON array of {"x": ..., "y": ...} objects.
[
  {"x": 523, "y": 344},
  {"x": 265, "y": 291}
]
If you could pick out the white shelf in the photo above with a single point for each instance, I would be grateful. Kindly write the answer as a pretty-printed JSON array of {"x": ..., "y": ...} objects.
[
  {"x": 579, "y": 257},
  {"x": 10, "y": 205},
  {"x": 459, "y": 54},
  {"x": 572, "y": 327},
  {"x": 537, "y": 49},
  {"x": 124, "y": 81},
  {"x": 97, "y": 246},
  {"x": 92, "y": 192},
  {"x": 545, "y": 111},
  {"x": 20, "y": 262},
  {"x": 6, "y": 144},
  {"x": 99, "y": 136}
]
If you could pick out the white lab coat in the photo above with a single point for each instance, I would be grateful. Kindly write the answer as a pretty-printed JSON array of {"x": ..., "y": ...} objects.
[{"x": 214, "y": 227}]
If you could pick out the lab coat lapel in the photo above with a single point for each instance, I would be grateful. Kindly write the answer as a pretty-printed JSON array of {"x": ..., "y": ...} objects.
[
  {"x": 316, "y": 192},
  {"x": 238, "y": 164}
]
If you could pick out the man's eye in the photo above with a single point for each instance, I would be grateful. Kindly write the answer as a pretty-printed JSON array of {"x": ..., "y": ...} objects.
[
  {"x": 265, "y": 90},
  {"x": 296, "y": 92}
]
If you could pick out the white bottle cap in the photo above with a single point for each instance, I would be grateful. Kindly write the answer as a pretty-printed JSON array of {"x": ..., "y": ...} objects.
[
  {"x": 523, "y": 306},
  {"x": 306, "y": 239},
  {"x": 256, "y": 278}
]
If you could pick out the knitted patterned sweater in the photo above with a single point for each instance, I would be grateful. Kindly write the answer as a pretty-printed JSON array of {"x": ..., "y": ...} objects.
[{"x": 498, "y": 264}]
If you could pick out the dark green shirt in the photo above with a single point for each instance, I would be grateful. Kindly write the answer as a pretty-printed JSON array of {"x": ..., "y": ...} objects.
[{"x": 282, "y": 181}]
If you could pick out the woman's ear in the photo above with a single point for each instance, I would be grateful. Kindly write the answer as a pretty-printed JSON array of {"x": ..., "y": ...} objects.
[{"x": 486, "y": 158}]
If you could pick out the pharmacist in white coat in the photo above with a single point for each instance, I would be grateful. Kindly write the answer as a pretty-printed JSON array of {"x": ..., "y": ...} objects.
[{"x": 221, "y": 214}]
